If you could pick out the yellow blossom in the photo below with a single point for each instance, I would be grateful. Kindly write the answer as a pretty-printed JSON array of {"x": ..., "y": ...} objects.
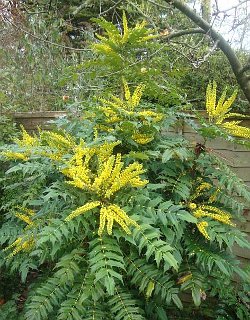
[
  {"x": 20, "y": 244},
  {"x": 27, "y": 140},
  {"x": 151, "y": 114},
  {"x": 202, "y": 228},
  {"x": 218, "y": 113},
  {"x": 15, "y": 155},
  {"x": 142, "y": 138},
  {"x": 57, "y": 141},
  {"x": 24, "y": 218},
  {"x": 30, "y": 212},
  {"x": 111, "y": 213},
  {"x": 202, "y": 187},
  {"x": 218, "y": 214},
  {"x": 88, "y": 206},
  {"x": 103, "y": 181},
  {"x": 236, "y": 130},
  {"x": 136, "y": 97},
  {"x": 126, "y": 89}
]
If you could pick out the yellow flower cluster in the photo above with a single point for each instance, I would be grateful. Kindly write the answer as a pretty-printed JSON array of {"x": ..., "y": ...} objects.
[
  {"x": 213, "y": 213},
  {"x": 27, "y": 140},
  {"x": 205, "y": 210},
  {"x": 238, "y": 131},
  {"x": 198, "y": 191},
  {"x": 23, "y": 243},
  {"x": 15, "y": 155},
  {"x": 103, "y": 182},
  {"x": 202, "y": 228},
  {"x": 156, "y": 117},
  {"x": 111, "y": 44},
  {"x": 89, "y": 206},
  {"x": 20, "y": 245},
  {"x": 111, "y": 213},
  {"x": 213, "y": 197},
  {"x": 24, "y": 218},
  {"x": 219, "y": 112},
  {"x": 58, "y": 144},
  {"x": 119, "y": 109},
  {"x": 142, "y": 138},
  {"x": 192, "y": 206}
]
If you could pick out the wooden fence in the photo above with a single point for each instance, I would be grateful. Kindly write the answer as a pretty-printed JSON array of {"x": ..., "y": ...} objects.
[{"x": 236, "y": 156}]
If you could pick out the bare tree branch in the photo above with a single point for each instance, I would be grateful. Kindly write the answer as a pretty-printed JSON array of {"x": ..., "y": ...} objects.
[
  {"x": 225, "y": 47},
  {"x": 18, "y": 27},
  {"x": 183, "y": 33}
]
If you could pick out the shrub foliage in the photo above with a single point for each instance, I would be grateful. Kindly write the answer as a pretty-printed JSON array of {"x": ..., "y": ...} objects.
[{"x": 114, "y": 216}]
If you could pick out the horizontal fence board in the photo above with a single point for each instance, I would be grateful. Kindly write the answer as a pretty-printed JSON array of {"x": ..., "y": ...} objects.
[
  {"x": 233, "y": 158},
  {"x": 216, "y": 144},
  {"x": 39, "y": 114},
  {"x": 244, "y": 226},
  {"x": 242, "y": 252}
]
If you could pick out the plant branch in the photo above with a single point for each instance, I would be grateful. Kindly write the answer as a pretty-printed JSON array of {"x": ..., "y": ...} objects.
[
  {"x": 18, "y": 27},
  {"x": 183, "y": 32},
  {"x": 225, "y": 47}
]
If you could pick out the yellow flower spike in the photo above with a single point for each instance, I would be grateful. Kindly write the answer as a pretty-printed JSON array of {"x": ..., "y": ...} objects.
[
  {"x": 101, "y": 180},
  {"x": 126, "y": 89},
  {"x": 136, "y": 97},
  {"x": 95, "y": 134},
  {"x": 24, "y": 246},
  {"x": 111, "y": 213},
  {"x": 58, "y": 141},
  {"x": 15, "y": 243},
  {"x": 151, "y": 114},
  {"x": 30, "y": 212},
  {"x": 15, "y": 155},
  {"x": 27, "y": 140},
  {"x": 202, "y": 228},
  {"x": 218, "y": 214},
  {"x": 126, "y": 176},
  {"x": 223, "y": 108},
  {"x": 137, "y": 182},
  {"x": 103, "y": 214},
  {"x": 219, "y": 113},
  {"x": 89, "y": 206},
  {"x": 116, "y": 170},
  {"x": 198, "y": 213},
  {"x": 234, "y": 129},
  {"x": 141, "y": 138},
  {"x": 125, "y": 28},
  {"x": 24, "y": 218},
  {"x": 220, "y": 104},
  {"x": 122, "y": 214},
  {"x": 105, "y": 151},
  {"x": 20, "y": 245},
  {"x": 214, "y": 196},
  {"x": 211, "y": 99},
  {"x": 202, "y": 187},
  {"x": 110, "y": 222}
]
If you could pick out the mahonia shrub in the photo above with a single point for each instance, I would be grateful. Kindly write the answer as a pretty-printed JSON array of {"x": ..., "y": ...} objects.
[
  {"x": 122, "y": 228},
  {"x": 113, "y": 215}
]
